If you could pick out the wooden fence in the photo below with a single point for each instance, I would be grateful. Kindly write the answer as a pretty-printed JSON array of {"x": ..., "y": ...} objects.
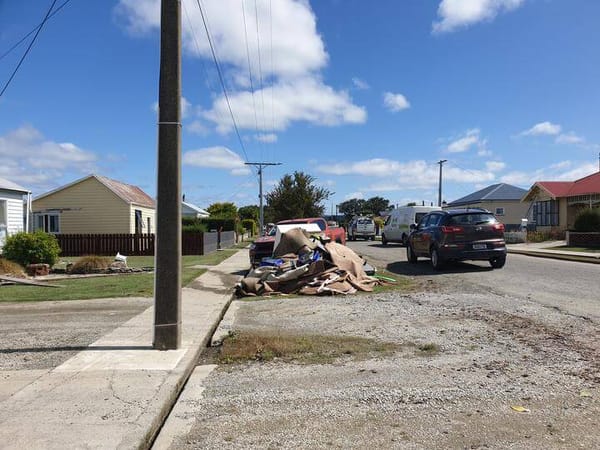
[{"x": 192, "y": 243}]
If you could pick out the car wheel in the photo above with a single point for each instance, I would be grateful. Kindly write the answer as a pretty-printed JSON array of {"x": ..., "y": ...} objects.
[
  {"x": 410, "y": 254},
  {"x": 384, "y": 241},
  {"x": 436, "y": 262},
  {"x": 498, "y": 263}
]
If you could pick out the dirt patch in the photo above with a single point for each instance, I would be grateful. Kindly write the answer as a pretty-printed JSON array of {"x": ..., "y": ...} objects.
[{"x": 476, "y": 360}]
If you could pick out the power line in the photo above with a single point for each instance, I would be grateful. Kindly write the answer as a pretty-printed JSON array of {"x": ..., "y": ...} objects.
[
  {"x": 249, "y": 67},
  {"x": 262, "y": 92},
  {"x": 32, "y": 31},
  {"x": 204, "y": 69},
  {"x": 215, "y": 59},
  {"x": 28, "y": 47}
]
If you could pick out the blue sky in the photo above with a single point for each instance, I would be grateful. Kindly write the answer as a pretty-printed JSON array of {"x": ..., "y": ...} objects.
[{"x": 364, "y": 96}]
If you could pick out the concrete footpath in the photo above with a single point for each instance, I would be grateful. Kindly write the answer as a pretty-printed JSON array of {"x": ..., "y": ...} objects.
[
  {"x": 117, "y": 392},
  {"x": 552, "y": 249}
]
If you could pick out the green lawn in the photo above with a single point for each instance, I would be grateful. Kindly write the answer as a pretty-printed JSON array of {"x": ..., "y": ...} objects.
[
  {"x": 127, "y": 285},
  {"x": 575, "y": 249}
]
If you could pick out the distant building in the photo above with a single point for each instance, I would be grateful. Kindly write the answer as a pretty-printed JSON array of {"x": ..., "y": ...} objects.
[
  {"x": 190, "y": 210},
  {"x": 504, "y": 200},
  {"x": 555, "y": 204},
  {"x": 13, "y": 210}
]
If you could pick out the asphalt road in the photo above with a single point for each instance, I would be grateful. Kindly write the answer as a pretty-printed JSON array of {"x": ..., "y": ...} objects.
[{"x": 571, "y": 287}]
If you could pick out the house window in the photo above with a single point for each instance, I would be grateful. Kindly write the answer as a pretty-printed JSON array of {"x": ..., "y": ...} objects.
[
  {"x": 546, "y": 213},
  {"x": 3, "y": 221},
  {"x": 139, "y": 223},
  {"x": 47, "y": 222},
  {"x": 499, "y": 211}
]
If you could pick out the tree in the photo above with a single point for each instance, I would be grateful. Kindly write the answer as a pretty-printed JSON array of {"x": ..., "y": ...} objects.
[
  {"x": 351, "y": 208},
  {"x": 223, "y": 210},
  {"x": 296, "y": 196},
  {"x": 249, "y": 212},
  {"x": 377, "y": 204}
]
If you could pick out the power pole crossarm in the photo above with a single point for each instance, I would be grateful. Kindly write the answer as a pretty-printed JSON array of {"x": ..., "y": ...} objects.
[{"x": 259, "y": 166}]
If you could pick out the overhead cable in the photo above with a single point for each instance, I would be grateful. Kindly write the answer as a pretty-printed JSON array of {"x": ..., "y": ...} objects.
[{"x": 28, "y": 48}]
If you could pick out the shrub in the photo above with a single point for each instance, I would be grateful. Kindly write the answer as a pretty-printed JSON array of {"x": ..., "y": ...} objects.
[
  {"x": 91, "y": 264},
  {"x": 31, "y": 248},
  {"x": 250, "y": 225},
  {"x": 11, "y": 268},
  {"x": 588, "y": 220},
  {"x": 541, "y": 236}
]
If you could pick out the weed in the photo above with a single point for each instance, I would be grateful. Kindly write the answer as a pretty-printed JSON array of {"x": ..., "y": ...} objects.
[
  {"x": 429, "y": 349},
  {"x": 304, "y": 349}
]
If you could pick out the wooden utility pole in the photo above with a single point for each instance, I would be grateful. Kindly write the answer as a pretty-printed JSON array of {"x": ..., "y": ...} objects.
[
  {"x": 441, "y": 163},
  {"x": 260, "y": 166},
  {"x": 167, "y": 284}
]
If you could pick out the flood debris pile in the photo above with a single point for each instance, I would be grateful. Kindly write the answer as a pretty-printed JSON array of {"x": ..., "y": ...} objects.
[{"x": 308, "y": 265}]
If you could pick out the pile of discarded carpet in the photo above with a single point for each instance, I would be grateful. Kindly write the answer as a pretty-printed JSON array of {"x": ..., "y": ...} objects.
[{"x": 308, "y": 265}]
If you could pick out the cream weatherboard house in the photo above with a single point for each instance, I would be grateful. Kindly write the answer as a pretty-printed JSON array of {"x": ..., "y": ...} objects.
[
  {"x": 13, "y": 217},
  {"x": 94, "y": 205}
]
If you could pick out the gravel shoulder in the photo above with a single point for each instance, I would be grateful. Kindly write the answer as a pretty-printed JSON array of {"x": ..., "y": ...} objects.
[{"x": 494, "y": 352}]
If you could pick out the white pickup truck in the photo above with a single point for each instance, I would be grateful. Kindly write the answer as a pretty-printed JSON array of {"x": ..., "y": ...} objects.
[{"x": 361, "y": 227}]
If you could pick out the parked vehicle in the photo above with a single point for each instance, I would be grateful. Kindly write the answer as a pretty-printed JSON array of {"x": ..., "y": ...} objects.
[
  {"x": 458, "y": 235},
  {"x": 397, "y": 225},
  {"x": 263, "y": 246},
  {"x": 363, "y": 227}
]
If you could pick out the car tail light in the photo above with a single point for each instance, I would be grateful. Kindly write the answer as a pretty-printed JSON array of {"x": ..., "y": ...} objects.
[
  {"x": 499, "y": 226},
  {"x": 451, "y": 229}
]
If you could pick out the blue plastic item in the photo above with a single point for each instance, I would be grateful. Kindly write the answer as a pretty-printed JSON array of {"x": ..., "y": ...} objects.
[{"x": 271, "y": 262}]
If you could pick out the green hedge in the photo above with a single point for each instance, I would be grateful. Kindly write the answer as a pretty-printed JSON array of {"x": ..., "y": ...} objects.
[
  {"x": 588, "y": 220},
  {"x": 250, "y": 225},
  {"x": 208, "y": 224}
]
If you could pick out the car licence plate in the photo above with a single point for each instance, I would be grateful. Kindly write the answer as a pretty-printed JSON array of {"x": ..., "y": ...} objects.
[{"x": 479, "y": 246}]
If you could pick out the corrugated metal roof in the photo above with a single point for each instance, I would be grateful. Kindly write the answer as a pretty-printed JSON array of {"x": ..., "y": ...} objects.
[
  {"x": 495, "y": 192},
  {"x": 128, "y": 192},
  {"x": 586, "y": 185},
  {"x": 556, "y": 189},
  {"x": 10, "y": 186}
]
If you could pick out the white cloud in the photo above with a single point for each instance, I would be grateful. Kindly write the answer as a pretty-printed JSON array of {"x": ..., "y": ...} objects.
[
  {"x": 396, "y": 175},
  {"x": 495, "y": 166},
  {"x": 196, "y": 127},
  {"x": 216, "y": 158},
  {"x": 561, "y": 171},
  {"x": 360, "y": 84},
  {"x": 395, "y": 102},
  {"x": 358, "y": 195},
  {"x": 470, "y": 139},
  {"x": 569, "y": 138},
  {"x": 292, "y": 90},
  {"x": 268, "y": 138},
  {"x": 306, "y": 100},
  {"x": 455, "y": 14},
  {"x": 543, "y": 129},
  {"x": 36, "y": 163}
]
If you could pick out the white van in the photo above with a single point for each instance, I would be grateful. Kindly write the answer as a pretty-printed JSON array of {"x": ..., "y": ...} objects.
[{"x": 397, "y": 225}]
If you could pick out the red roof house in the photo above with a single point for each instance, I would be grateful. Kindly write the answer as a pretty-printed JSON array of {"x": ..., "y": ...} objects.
[{"x": 555, "y": 204}]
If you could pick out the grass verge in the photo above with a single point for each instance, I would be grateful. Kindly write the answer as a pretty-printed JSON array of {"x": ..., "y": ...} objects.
[
  {"x": 242, "y": 347},
  {"x": 125, "y": 285}
]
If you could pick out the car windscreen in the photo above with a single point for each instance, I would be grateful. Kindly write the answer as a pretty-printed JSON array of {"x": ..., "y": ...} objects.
[
  {"x": 472, "y": 219},
  {"x": 365, "y": 221},
  {"x": 418, "y": 217}
]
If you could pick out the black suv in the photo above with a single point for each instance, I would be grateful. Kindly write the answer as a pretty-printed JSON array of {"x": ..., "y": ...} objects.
[{"x": 458, "y": 235}]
